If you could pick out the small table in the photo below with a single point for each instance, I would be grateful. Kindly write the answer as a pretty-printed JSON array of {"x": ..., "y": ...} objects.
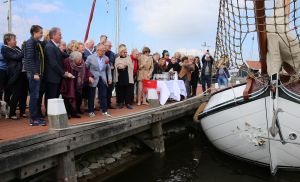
[{"x": 170, "y": 89}]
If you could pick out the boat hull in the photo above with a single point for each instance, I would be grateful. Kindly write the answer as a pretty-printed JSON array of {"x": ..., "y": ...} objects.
[{"x": 241, "y": 128}]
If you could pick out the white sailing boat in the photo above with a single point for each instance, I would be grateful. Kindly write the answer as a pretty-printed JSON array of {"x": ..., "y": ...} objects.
[{"x": 259, "y": 121}]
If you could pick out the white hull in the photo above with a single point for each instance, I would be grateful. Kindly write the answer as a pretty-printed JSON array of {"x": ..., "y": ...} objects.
[{"x": 242, "y": 130}]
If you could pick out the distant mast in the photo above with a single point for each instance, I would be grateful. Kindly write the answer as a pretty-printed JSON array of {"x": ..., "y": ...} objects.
[
  {"x": 117, "y": 38},
  {"x": 9, "y": 17}
]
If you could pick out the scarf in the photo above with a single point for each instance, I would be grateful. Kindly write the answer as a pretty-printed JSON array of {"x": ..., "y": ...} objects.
[
  {"x": 81, "y": 73},
  {"x": 135, "y": 65}
]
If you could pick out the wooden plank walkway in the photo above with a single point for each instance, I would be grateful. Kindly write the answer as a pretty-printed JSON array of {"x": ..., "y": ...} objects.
[{"x": 16, "y": 129}]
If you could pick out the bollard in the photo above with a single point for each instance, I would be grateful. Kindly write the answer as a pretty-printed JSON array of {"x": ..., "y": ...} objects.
[
  {"x": 152, "y": 97},
  {"x": 57, "y": 114},
  {"x": 58, "y": 119}
]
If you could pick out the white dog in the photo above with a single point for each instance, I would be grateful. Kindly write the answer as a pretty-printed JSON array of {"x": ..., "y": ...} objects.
[{"x": 4, "y": 109}]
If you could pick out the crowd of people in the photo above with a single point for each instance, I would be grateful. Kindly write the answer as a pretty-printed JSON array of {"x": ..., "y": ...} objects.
[{"x": 78, "y": 71}]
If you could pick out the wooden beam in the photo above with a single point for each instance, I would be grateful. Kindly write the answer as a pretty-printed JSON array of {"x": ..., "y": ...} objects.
[
  {"x": 66, "y": 171},
  {"x": 158, "y": 137},
  {"x": 261, "y": 33},
  {"x": 287, "y": 7}
]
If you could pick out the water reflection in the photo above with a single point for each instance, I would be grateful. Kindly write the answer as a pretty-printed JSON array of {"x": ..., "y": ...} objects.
[{"x": 196, "y": 160}]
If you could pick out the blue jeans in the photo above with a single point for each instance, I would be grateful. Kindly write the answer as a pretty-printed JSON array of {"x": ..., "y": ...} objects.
[
  {"x": 222, "y": 80},
  {"x": 102, "y": 96},
  {"x": 34, "y": 90},
  {"x": 205, "y": 79}
]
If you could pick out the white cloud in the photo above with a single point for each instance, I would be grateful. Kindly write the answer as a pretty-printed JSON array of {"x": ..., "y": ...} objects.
[
  {"x": 175, "y": 18},
  {"x": 176, "y": 24},
  {"x": 43, "y": 7},
  {"x": 20, "y": 23}
]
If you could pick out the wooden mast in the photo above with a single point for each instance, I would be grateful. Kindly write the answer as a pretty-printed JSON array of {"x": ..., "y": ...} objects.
[
  {"x": 90, "y": 20},
  {"x": 260, "y": 19}
]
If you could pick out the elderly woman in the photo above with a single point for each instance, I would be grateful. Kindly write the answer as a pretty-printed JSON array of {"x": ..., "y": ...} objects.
[
  {"x": 145, "y": 72},
  {"x": 17, "y": 79},
  {"x": 186, "y": 72},
  {"x": 174, "y": 65},
  {"x": 63, "y": 46},
  {"x": 160, "y": 67},
  {"x": 71, "y": 88},
  {"x": 177, "y": 56},
  {"x": 70, "y": 46},
  {"x": 124, "y": 78}
]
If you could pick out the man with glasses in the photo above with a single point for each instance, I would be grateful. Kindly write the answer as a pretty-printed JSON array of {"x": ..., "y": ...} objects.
[{"x": 98, "y": 64}]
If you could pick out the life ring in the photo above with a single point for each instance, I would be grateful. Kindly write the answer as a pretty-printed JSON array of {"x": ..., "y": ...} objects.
[{"x": 199, "y": 110}]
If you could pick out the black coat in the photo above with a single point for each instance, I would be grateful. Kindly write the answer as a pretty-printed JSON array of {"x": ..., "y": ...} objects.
[
  {"x": 195, "y": 74},
  {"x": 14, "y": 58},
  {"x": 157, "y": 69},
  {"x": 206, "y": 63},
  {"x": 176, "y": 67},
  {"x": 54, "y": 71}
]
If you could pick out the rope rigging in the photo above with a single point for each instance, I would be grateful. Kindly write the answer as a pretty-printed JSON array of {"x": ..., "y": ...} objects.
[{"x": 237, "y": 22}]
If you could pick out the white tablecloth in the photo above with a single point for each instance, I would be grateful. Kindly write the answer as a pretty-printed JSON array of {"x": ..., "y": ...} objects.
[{"x": 170, "y": 89}]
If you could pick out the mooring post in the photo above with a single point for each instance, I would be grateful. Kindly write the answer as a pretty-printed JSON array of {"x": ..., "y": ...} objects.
[
  {"x": 57, "y": 114},
  {"x": 66, "y": 171},
  {"x": 58, "y": 119},
  {"x": 158, "y": 137}
]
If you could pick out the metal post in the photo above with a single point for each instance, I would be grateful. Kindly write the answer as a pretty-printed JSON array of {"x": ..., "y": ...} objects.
[
  {"x": 9, "y": 18},
  {"x": 117, "y": 43}
]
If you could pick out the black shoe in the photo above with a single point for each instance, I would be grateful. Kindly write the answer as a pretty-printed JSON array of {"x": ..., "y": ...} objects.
[
  {"x": 75, "y": 116},
  {"x": 80, "y": 112},
  {"x": 129, "y": 106},
  {"x": 111, "y": 107},
  {"x": 119, "y": 106}
]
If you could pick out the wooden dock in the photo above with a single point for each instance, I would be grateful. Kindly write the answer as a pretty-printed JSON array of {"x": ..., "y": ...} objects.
[{"x": 26, "y": 150}]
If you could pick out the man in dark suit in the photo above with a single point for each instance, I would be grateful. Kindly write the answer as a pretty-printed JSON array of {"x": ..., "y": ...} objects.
[{"x": 54, "y": 71}]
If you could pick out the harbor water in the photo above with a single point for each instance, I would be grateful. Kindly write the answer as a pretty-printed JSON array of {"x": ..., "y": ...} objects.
[{"x": 195, "y": 159}]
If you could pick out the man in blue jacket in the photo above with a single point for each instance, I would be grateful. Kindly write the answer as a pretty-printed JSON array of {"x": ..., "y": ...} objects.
[{"x": 34, "y": 66}]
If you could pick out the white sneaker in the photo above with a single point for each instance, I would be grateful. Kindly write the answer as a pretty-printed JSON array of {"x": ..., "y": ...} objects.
[
  {"x": 92, "y": 114},
  {"x": 106, "y": 114}
]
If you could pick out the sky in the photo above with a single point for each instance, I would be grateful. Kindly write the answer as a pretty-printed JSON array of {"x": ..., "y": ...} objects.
[{"x": 174, "y": 25}]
